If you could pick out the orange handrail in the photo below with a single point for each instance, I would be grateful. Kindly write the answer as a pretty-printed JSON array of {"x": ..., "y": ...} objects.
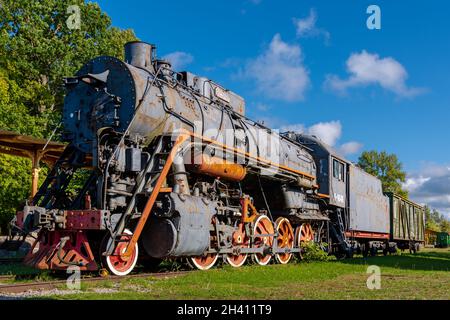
[{"x": 151, "y": 201}]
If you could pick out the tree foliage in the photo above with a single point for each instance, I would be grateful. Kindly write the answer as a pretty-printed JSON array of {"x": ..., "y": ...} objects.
[
  {"x": 14, "y": 114},
  {"x": 13, "y": 179},
  {"x": 436, "y": 221},
  {"x": 387, "y": 168},
  {"x": 38, "y": 47},
  {"x": 430, "y": 223},
  {"x": 445, "y": 226}
]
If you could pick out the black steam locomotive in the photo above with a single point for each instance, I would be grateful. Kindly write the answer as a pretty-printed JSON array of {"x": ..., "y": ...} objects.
[{"x": 173, "y": 168}]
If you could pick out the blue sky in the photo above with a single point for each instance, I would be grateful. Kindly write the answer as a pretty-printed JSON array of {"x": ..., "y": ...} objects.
[{"x": 315, "y": 66}]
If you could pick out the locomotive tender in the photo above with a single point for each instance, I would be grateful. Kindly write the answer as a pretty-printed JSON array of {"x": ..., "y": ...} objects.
[{"x": 173, "y": 168}]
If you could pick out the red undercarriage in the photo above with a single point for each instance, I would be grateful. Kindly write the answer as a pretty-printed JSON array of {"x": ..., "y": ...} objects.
[
  {"x": 55, "y": 253},
  {"x": 57, "y": 250},
  {"x": 367, "y": 235}
]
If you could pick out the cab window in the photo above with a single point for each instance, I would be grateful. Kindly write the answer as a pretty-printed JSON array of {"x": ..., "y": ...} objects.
[{"x": 338, "y": 170}]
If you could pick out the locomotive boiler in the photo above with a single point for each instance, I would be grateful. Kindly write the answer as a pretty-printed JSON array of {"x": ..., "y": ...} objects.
[{"x": 171, "y": 168}]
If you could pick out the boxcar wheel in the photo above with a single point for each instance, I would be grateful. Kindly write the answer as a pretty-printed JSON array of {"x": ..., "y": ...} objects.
[
  {"x": 349, "y": 253},
  {"x": 373, "y": 251},
  {"x": 364, "y": 250}
]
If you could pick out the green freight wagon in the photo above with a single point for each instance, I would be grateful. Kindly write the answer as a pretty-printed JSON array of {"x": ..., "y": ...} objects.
[
  {"x": 407, "y": 222},
  {"x": 443, "y": 240}
]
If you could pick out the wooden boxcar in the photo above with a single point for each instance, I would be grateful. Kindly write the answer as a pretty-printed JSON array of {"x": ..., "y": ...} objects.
[{"x": 407, "y": 222}]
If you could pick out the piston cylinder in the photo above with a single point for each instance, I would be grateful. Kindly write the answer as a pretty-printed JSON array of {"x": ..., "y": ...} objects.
[{"x": 181, "y": 227}]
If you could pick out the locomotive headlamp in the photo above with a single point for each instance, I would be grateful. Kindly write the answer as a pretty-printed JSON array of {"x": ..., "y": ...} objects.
[{"x": 97, "y": 80}]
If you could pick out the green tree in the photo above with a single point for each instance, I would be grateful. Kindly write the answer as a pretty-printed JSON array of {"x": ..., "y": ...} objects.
[
  {"x": 445, "y": 225},
  {"x": 387, "y": 168},
  {"x": 436, "y": 216},
  {"x": 12, "y": 190},
  {"x": 430, "y": 223},
  {"x": 14, "y": 114},
  {"x": 38, "y": 47}
]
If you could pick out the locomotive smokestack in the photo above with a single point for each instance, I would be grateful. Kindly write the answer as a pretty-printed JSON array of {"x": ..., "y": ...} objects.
[{"x": 139, "y": 54}]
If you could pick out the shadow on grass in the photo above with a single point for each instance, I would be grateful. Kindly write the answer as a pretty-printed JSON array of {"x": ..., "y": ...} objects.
[
  {"x": 16, "y": 268},
  {"x": 427, "y": 261},
  {"x": 445, "y": 254}
]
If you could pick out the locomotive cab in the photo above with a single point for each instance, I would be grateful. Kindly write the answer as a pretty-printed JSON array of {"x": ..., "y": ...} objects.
[
  {"x": 332, "y": 172},
  {"x": 355, "y": 201}
]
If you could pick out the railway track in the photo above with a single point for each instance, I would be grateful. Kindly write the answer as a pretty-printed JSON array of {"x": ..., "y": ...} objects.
[
  {"x": 6, "y": 277},
  {"x": 15, "y": 288}
]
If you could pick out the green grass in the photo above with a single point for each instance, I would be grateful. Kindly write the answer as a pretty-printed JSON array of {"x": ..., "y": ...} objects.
[{"x": 422, "y": 276}]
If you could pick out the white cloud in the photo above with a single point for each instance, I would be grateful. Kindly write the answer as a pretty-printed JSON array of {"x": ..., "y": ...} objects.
[
  {"x": 329, "y": 132},
  {"x": 179, "y": 59},
  {"x": 351, "y": 147},
  {"x": 279, "y": 72},
  {"x": 306, "y": 27},
  {"x": 369, "y": 69},
  {"x": 431, "y": 186},
  {"x": 413, "y": 183}
]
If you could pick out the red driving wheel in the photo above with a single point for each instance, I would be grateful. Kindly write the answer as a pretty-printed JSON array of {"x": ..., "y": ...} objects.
[
  {"x": 117, "y": 263},
  {"x": 240, "y": 240}
]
